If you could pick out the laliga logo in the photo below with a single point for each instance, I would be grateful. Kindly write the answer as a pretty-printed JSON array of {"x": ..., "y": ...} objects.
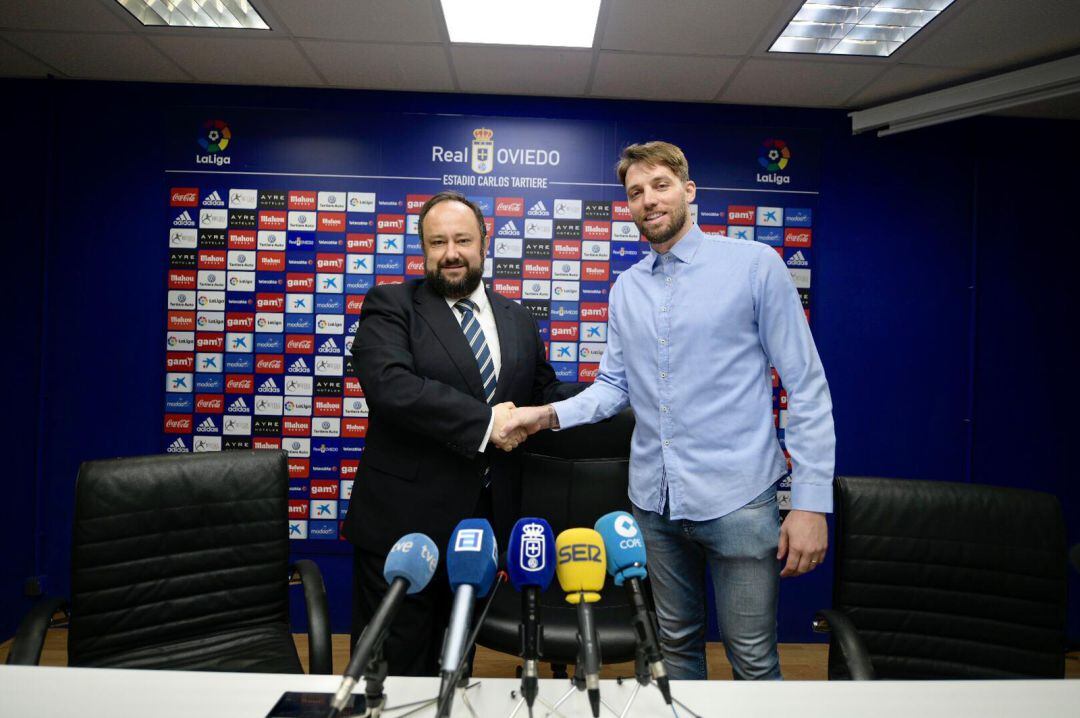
[
  {"x": 533, "y": 556},
  {"x": 776, "y": 157},
  {"x": 214, "y": 140}
]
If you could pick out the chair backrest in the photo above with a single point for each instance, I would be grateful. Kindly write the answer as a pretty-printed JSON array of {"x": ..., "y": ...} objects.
[
  {"x": 950, "y": 580},
  {"x": 168, "y": 549},
  {"x": 575, "y": 476}
]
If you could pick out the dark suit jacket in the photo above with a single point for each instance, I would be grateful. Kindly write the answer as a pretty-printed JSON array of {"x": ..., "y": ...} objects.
[{"x": 420, "y": 470}]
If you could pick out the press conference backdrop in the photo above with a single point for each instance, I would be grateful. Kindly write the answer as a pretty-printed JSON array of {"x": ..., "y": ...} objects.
[{"x": 274, "y": 241}]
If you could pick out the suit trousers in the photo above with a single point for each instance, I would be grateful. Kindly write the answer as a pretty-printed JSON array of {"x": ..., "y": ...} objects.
[{"x": 414, "y": 642}]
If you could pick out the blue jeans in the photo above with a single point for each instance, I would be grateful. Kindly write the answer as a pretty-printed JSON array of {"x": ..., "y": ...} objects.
[{"x": 739, "y": 550}]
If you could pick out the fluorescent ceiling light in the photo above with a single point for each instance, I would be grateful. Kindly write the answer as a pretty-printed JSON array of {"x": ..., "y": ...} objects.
[
  {"x": 856, "y": 27},
  {"x": 1011, "y": 89},
  {"x": 235, "y": 14},
  {"x": 551, "y": 23}
]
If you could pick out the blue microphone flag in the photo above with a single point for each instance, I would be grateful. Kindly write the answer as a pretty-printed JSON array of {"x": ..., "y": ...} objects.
[
  {"x": 472, "y": 556},
  {"x": 624, "y": 545},
  {"x": 414, "y": 558},
  {"x": 530, "y": 557}
]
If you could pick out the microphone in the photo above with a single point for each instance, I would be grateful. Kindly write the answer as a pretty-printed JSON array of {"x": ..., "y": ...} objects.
[
  {"x": 626, "y": 563},
  {"x": 409, "y": 567},
  {"x": 580, "y": 569},
  {"x": 530, "y": 561},
  {"x": 471, "y": 562}
]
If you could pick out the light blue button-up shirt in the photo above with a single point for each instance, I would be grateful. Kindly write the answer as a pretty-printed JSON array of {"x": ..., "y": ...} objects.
[{"x": 691, "y": 334}]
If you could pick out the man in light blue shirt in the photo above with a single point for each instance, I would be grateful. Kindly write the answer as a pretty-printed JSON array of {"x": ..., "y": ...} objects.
[{"x": 692, "y": 330}]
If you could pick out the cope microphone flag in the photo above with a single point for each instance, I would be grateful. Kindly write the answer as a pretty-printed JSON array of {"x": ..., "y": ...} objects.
[
  {"x": 471, "y": 562},
  {"x": 626, "y": 563},
  {"x": 580, "y": 569},
  {"x": 409, "y": 567},
  {"x": 530, "y": 561}
]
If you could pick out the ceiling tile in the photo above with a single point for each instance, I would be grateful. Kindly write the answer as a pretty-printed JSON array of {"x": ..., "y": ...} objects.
[
  {"x": 16, "y": 63},
  {"x": 992, "y": 34},
  {"x": 99, "y": 56},
  {"x": 74, "y": 15},
  {"x": 798, "y": 82},
  {"x": 661, "y": 77},
  {"x": 372, "y": 20},
  {"x": 522, "y": 71},
  {"x": 384, "y": 67},
  {"x": 704, "y": 27},
  {"x": 241, "y": 62},
  {"x": 906, "y": 80}
]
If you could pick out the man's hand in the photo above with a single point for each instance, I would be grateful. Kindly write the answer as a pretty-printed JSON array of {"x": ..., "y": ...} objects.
[
  {"x": 529, "y": 419},
  {"x": 503, "y": 436},
  {"x": 804, "y": 538}
]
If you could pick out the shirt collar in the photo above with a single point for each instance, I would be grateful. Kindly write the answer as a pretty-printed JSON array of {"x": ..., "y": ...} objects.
[
  {"x": 685, "y": 249},
  {"x": 478, "y": 297}
]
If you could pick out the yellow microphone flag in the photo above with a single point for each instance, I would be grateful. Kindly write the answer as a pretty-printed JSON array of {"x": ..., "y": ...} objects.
[{"x": 581, "y": 564}]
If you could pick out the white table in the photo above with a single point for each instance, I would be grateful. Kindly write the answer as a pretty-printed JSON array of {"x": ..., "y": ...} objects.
[{"x": 30, "y": 691}]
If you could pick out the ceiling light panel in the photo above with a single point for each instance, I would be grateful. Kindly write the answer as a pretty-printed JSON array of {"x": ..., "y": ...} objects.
[
  {"x": 856, "y": 27},
  {"x": 232, "y": 14},
  {"x": 548, "y": 23}
]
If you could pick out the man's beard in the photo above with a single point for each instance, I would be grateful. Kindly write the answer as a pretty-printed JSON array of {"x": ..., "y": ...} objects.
[
  {"x": 454, "y": 289},
  {"x": 678, "y": 220}
]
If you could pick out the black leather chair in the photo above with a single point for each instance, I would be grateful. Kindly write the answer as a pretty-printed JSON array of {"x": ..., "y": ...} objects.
[
  {"x": 937, "y": 580},
  {"x": 182, "y": 562},
  {"x": 571, "y": 478}
]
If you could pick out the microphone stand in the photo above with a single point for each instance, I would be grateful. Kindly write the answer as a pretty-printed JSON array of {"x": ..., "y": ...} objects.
[{"x": 447, "y": 691}]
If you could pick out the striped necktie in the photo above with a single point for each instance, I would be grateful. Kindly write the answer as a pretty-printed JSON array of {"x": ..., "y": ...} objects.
[{"x": 477, "y": 342}]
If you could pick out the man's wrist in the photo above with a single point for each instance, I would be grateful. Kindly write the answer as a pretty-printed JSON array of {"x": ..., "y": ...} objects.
[{"x": 552, "y": 418}]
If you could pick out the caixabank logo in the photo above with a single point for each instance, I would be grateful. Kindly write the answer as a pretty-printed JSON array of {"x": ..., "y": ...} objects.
[
  {"x": 214, "y": 140},
  {"x": 774, "y": 158}
]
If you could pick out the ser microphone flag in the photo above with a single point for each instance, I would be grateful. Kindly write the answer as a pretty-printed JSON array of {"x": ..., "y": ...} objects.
[{"x": 580, "y": 569}]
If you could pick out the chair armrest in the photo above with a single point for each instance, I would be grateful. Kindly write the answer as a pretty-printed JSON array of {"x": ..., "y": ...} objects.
[
  {"x": 852, "y": 646},
  {"x": 30, "y": 636},
  {"x": 320, "y": 654}
]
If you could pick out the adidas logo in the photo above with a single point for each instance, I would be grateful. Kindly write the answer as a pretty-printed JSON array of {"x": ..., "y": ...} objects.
[
  {"x": 299, "y": 367},
  {"x": 538, "y": 210},
  {"x": 509, "y": 230},
  {"x": 207, "y": 425},
  {"x": 329, "y": 347},
  {"x": 269, "y": 387},
  {"x": 177, "y": 447},
  {"x": 239, "y": 406},
  {"x": 798, "y": 260},
  {"x": 183, "y": 220},
  {"x": 213, "y": 200}
]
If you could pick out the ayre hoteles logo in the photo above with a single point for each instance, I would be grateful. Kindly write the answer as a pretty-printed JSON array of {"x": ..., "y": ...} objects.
[{"x": 214, "y": 140}]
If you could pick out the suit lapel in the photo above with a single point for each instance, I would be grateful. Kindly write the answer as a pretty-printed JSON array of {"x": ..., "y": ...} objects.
[
  {"x": 508, "y": 344},
  {"x": 434, "y": 310}
]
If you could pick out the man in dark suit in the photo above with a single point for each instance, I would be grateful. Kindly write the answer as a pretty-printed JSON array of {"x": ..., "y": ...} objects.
[{"x": 441, "y": 361}]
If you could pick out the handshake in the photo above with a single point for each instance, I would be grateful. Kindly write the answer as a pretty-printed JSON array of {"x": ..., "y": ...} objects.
[{"x": 513, "y": 425}]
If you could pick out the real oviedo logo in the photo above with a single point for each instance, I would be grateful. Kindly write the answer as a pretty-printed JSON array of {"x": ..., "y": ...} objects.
[
  {"x": 774, "y": 159},
  {"x": 214, "y": 140}
]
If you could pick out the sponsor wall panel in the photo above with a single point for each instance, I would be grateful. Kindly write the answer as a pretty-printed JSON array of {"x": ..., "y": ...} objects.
[{"x": 274, "y": 244}]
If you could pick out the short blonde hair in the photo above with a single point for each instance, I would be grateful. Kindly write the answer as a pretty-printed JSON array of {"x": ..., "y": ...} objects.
[{"x": 654, "y": 153}]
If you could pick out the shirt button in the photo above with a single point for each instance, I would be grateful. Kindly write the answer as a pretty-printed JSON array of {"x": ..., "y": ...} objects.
[
  {"x": 667, "y": 443},
  {"x": 663, "y": 309},
  {"x": 663, "y": 341},
  {"x": 663, "y": 375},
  {"x": 667, "y": 281},
  {"x": 664, "y": 409}
]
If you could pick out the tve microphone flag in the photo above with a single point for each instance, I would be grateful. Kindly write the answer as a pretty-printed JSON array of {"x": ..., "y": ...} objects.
[
  {"x": 626, "y": 562},
  {"x": 530, "y": 561},
  {"x": 409, "y": 567},
  {"x": 580, "y": 569},
  {"x": 471, "y": 562}
]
